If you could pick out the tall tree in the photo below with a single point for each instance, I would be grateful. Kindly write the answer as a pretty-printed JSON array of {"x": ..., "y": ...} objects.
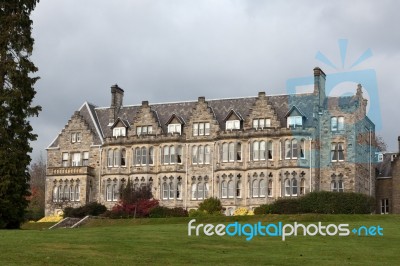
[{"x": 16, "y": 96}]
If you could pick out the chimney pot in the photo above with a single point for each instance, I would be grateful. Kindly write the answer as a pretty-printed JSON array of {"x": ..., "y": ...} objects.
[
  {"x": 202, "y": 99},
  {"x": 145, "y": 103}
]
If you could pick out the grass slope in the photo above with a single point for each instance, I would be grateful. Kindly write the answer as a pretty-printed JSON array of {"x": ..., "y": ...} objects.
[{"x": 165, "y": 242}]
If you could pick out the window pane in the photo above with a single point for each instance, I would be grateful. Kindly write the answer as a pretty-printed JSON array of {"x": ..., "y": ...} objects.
[
  {"x": 201, "y": 129},
  {"x": 172, "y": 155},
  {"x": 236, "y": 124},
  {"x": 334, "y": 125},
  {"x": 225, "y": 152},
  {"x": 179, "y": 154},
  {"x": 341, "y": 123},
  {"x": 195, "y": 129},
  {"x": 268, "y": 122},
  {"x": 262, "y": 123},
  {"x": 270, "y": 150},
  {"x": 238, "y": 189},
  {"x": 224, "y": 189},
  {"x": 294, "y": 187},
  {"x": 144, "y": 156},
  {"x": 288, "y": 150},
  {"x": 200, "y": 191},
  {"x": 206, "y": 189},
  {"x": 239, "y": 152},
  {"x": 262, "y": 150},
  {"x": 207, "y": 129},
  {"x": 151, "y": 155},
  {"x": 294, "y": 148},
  {"x": 270, "y": 188},
  {"x": 166, "y": 155},
  {"x": 200, "y": 159},
  {"x": 207, "y": 154},
  {"x": 340, "y": 152},
  {"x": 287, "y": 187},
  {"x": 165, "y": 190},
  {"x": 194, "y": 155},
  {"x": 255, "y": 150},
  {"x": 262, "y": 188},
  {"x": 334, "y": 155},
  {"x": 230, "y": 189},
  {"x": 255, "y": 123},
  {"x": 231, "y": 152},
  {"x": 255, "y": 189}
]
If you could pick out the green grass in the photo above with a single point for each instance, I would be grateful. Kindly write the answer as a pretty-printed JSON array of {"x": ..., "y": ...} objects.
[{"x": 165, "y": 242}]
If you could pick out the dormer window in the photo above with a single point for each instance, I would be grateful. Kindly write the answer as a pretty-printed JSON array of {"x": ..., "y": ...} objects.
[
  {"x": 119, "y": 131},
  {"x": 174, "y": 128},
  {"x": 261, "y": 123},
  {"x": 295, "y": 121},
  {"x": 232, "y": 124}
]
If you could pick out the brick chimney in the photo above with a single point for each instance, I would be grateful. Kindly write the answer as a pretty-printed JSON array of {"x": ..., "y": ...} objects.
[
  {"x": 319, "y": 85},
  {"x": 117, "y": 95}
]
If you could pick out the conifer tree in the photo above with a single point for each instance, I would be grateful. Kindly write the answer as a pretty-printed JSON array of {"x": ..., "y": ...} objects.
[{"x": 16, "y": 95}]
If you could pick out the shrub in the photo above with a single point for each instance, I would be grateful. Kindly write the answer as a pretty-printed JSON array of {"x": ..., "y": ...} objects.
[
  {"x": 211, "y": 206},
  {"x": 163, "y": 212},
  {"x": 286, "y": 206},
  {"x": 198, "y": 213},
  {"x": 92, "y": 208},
  {"x": 340, "y": 203},
  {"x": 140, "y": 209},
  {"x": 263, "y": 209},
  {"x": 242, "y": 211}
]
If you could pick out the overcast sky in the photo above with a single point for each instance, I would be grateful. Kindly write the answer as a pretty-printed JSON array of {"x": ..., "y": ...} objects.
[{"x": 166, "y": 51}]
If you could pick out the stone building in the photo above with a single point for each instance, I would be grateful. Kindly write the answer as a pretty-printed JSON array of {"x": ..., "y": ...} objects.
[
  {"x": 245, "y": 151},
  {"x": 388, "y": 183}
]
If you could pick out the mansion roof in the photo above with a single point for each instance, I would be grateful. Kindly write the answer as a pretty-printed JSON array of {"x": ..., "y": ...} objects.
[{"x": 97, "y": 118}]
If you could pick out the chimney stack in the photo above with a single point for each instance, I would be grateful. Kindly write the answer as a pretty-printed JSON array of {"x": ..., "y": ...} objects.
[
  {"x": 319, "y": 85},
  {"x": 117, "y": 95}
]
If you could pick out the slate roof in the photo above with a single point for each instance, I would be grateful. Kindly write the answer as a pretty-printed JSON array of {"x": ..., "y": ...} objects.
[{"x": 98, "y": 117}]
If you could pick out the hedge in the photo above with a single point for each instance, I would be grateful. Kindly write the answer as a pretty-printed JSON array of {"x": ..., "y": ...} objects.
[
  {"x": 92, "y": 208},
  {"x": 321, "y": 202}
]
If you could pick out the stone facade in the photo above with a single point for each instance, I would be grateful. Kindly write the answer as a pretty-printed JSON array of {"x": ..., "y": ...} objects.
[{"x": 246, "y": 151}]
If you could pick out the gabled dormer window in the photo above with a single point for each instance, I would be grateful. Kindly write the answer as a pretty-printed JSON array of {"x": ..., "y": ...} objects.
[
  {"x": 295, "y": 121},
  {"x": 174, "y": 128},
  {"x": 232, "y": 124},
  {"x": 119, "y": 131}
]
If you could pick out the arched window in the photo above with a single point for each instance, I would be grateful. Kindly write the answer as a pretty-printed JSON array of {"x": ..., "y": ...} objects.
[
  {"x": 66, "y": 193},
  {"x": 172, "y": 155},
  {"x": 114, "y": 192},
  {"x": 151, "y": 155},
  {"x": 194, "y": 191},
  {"x": 262, "y": 188},
  {"x": 302, "y": 186},
  {"x": 288, "y": 149},
  {"x": 224, "y": 189},
  {"x": 55, "y": 194},
  {"x": 270, "y": 188},
  {"x": 138, "y": 156},
  {"x": 123, "y": 157},
  {"x": 165, "y": 190},
  {"x": 341, "y": 186},
  {"x": 110, "y": 158},
  {"x": 231, "y": 152},
  {"x": 294, "y": 149},
  {"x": 166, "y": 155},
  {"x": 239, "y": 151},
  {"x": 262, "y": 150},
  {"x": 207, "y": 154},
  {"x": 71, "y": 193},
  {"x": 200, "y": 191},
  {"x": 201, "y": 155},
  {"x": 60, "y": 193},
  {"x": 255, "y": 189},
  {"x": 231, "y": 189},
  {"x": 179, "y": 191},
  {"x": 194, "y": 155},
  {"x": 117, "y": 157},
  {"x": 294, "y": 187},
  {"x": 248, "y": 189},
  {"x": 109, "y": 192},
  {"x": 287, "y": 187},
  {"x": 77, "y": 192},
  {"x": 256, "y": 150},
  {"x": 206, "y": 189},
  {"x": 269, "y": 150},
  {"x": 301, "y": 149},
  {"x": 179, "y": 154},
  {"x": 171, "y": 190},
  {"x": 144, "y": 156},
  {"x": 238, "y": 189},
  {"x": 225, "y": 152}
]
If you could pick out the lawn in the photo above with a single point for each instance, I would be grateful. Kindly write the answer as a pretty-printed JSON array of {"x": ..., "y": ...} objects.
[{"x": 165, "y": 242}]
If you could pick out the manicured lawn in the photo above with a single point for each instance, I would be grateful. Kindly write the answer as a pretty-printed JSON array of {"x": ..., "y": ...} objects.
[{"x": 165, "y": 242}]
